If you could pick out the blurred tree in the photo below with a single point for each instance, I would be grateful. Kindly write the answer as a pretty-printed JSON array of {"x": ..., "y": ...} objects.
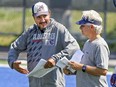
[{"x": 61, "y": 11}]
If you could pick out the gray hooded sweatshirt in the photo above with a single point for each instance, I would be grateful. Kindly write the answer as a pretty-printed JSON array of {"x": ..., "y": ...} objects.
[{"x": 54, "y": 41}]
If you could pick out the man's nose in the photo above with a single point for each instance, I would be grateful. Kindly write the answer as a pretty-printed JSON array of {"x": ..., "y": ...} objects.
[{"x": 42, "y": 19}]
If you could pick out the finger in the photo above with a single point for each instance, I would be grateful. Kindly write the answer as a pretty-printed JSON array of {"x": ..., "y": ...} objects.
[
  {"x": 24, "y": 71},
  {"x": 69, "y": 63},
  {"x": 17, "y": 62},
  {"x": 51, "y": 62},
  {"x": 65, "y": 67},
  {"x": 66, "y": 71},
  {"x": 72, "y": 62},
  {"x": 46, "y": 66},
  {"x": 21, "y": 70}
]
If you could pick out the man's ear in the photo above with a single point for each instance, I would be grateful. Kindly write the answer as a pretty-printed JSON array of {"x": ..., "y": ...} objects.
[
  {"x": 50, "y": 13},
  {"x": 92, "y": 26}
]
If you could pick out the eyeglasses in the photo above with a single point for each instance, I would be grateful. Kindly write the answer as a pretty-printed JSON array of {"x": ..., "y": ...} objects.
[{"x": 82, "y": 26}]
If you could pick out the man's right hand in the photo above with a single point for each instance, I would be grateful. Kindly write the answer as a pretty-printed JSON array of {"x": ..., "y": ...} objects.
[{"x": 16, "y": 66}]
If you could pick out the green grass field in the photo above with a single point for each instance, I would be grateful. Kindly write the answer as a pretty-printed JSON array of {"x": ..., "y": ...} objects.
[{"x": 11, "y": 21}]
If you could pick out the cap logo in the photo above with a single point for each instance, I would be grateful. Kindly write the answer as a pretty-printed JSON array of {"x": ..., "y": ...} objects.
[
  {"x": 87, "y": 20},
  {"x": 41, "y": 8}
]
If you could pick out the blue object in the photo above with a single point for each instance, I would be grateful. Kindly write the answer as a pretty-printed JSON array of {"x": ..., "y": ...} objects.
[
  {"x": 11, "y": 78},
  {"x": 113, "y": 80},
  {"x": 86, "y": 20},
  {"x": 114, "y": 1}
]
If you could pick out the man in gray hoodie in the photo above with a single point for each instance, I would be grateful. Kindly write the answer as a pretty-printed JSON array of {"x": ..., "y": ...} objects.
[{"x": 45, "y": 39}]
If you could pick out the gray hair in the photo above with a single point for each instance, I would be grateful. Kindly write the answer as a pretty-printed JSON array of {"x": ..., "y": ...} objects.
[
  {"x": 98, "y": 29},
  {"x": 93, "y": 15}
]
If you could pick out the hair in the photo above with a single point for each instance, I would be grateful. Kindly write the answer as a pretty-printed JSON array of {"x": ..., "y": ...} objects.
[
  {"x": 98, "y": 29},
  {"x": 93, "y": 15}
]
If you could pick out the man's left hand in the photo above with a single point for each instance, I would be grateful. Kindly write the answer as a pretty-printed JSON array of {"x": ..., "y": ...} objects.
[{"x": 50, "y": 63}]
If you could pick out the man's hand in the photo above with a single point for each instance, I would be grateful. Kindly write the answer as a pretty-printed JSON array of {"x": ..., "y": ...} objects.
[
  {"x": 113, "y": 80},
  {"x": 66, "y": 71},
  {"x": 50, "y": 63},
  {"x": 75, "y": 65},
  {"x": 18, "y": 68}
]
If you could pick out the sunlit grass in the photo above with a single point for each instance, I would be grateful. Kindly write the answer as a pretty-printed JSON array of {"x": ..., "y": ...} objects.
[
  {"x": 3, "y": 61},
  {"x": 5, "y": 40},
  {"x": 11, "y": 21}
]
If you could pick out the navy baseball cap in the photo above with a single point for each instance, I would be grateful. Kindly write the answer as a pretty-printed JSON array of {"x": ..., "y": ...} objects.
[
  {"x": 40, "y": 8},
  {"x": 86, "y": 20}
]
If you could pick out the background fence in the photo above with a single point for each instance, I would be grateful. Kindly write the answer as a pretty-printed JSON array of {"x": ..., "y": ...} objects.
[{"x": 15, "y": 15}]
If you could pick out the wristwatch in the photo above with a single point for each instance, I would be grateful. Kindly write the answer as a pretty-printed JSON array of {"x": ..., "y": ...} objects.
[{"x": 84, "y": 68}]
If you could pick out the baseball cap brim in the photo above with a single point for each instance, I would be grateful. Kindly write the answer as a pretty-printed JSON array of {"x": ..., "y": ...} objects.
[
  {"x": 85, "y": 21},
  {"x": 81, "y": 22},
  {"x": 41, "y": 13}
]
